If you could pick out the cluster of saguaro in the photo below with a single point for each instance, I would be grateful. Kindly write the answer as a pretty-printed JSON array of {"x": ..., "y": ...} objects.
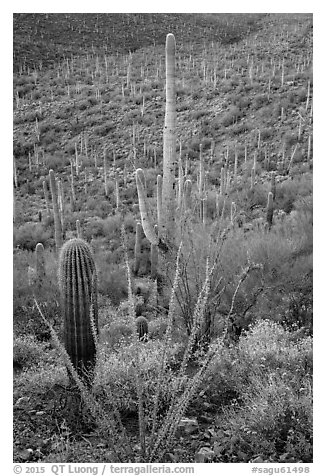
[{"x": 78, "y": 287}]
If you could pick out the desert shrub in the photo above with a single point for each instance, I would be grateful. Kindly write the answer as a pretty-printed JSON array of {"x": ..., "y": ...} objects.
[
  {"x": 260, "y": 100},
  {"x": 118, "y": 372},
  {"x": 198, "y": 114},
  {"x": 270, "y": 373},
  {"x": 112, "y": 226},
  {"x": 256, "y": 197},
  {"x": 289, "y": 190},
  {"x": 56, "y": 161},
  {"x": 28, "y": 235},
  {"x": 231, "y": 116},
  {"x": 27, "y": 351},
  {"x": 241, "y": 127},
  {"x": 93, "y": 227},
  {"x": 290, "y": 139},
  {"x": 118, "y": 332},
  {"x": 112, "y": 282},
  {"x": 104, "y": 129},
  {"x": 26, "y": 318}
]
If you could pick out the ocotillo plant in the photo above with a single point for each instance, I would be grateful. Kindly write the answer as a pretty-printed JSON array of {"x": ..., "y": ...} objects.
[
  {"x": 78, "y": 287},
  {"x": 57, "y": 220}
]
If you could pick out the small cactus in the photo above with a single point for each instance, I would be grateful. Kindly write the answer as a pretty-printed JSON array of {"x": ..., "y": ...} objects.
[
  {"x": 142, "y": 328},
  {"x": 78, "y": 287}
]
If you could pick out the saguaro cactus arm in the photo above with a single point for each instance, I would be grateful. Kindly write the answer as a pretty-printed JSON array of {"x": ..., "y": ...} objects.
[{"x": 148, "y": 227}]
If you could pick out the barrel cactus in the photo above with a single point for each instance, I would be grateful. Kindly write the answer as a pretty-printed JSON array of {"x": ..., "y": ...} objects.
[{"x": 78, "y": 287}]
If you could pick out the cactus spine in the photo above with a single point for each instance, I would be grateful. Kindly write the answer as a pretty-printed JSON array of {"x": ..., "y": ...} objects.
[
  {"x": 57, "y": 220},
  {"x": 78, "y": 287}
]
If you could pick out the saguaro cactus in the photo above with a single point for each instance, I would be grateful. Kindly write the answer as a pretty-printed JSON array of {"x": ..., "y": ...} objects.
[
  {"x": 187, "y": 194},
  {"x": 56, "y": 213},
  {"x": 169, "y": 143},
  {"x": 138, "y": 239},
  {"x": 270, "y": 209},
  {"x": 78, "y": 229},
  {"x": 273, "y": 185},
  {"x": 46, "y": 196},
  {"x": 166, "y": 200},
  {"x": 154, "y": 258},
  {"x": 78, "y": 287}
]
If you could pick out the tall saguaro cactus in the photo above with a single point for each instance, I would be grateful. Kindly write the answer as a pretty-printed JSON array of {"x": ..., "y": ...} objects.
[
  {"x": 270, "y": 210},
  {"x": 166, "y": 199},
  {"x": 169, "y": 143},
  {"x": 56, "y": 213},
  {"x": 78, "y": 287}
]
